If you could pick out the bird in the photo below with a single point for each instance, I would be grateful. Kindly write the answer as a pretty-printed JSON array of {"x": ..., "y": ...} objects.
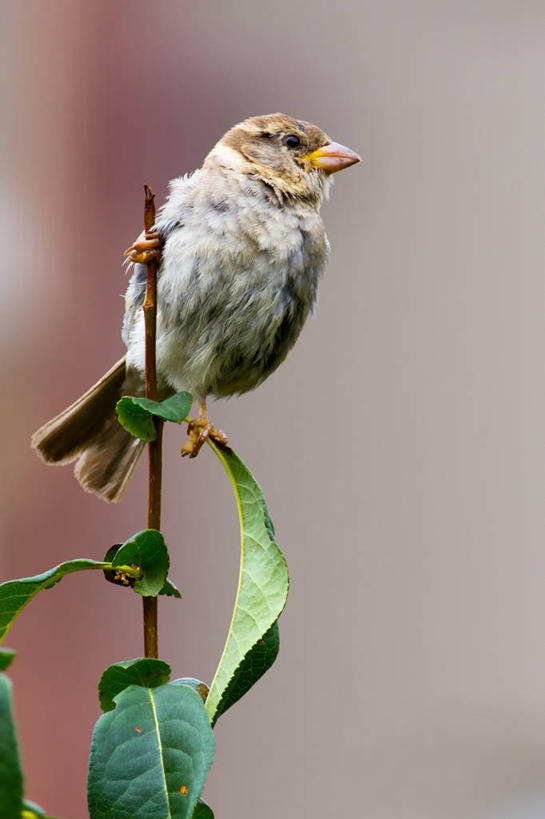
[{"x": 241, "y": 248}]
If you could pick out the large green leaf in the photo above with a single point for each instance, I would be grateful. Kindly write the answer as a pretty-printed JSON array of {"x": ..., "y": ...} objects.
[
  {"x": 262, "y": 591},
  {"x": 136, "y": 413},
  {"x": 145, "y": 671},
  {"x": 11, "y": 777},
  {"x": 151, "y": 755}
]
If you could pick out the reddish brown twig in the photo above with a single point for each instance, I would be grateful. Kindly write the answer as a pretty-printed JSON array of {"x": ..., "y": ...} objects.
[{"x": 151, "y": 632}]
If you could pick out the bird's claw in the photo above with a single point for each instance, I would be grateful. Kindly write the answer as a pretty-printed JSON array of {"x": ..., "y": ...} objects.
[
  {"x": 199, "y": 430},
  {"x": 146, "y": 249}
]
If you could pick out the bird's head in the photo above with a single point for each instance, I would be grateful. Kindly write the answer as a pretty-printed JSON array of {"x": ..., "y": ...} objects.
[{"x": 294, "y": 157}]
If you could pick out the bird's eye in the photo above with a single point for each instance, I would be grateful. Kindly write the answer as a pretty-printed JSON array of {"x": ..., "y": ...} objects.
[{"x": 292, "y": 141}]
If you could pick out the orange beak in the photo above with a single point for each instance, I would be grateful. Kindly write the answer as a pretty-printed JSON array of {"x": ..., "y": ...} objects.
[{"x": 333, "y": 157}]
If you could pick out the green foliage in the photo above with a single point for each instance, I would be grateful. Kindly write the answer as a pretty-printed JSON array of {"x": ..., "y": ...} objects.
[
  {"x": 7, "y": 655},
  {"x": 16, "y": 594},
  {"x": 146, "y": 568},
  {"x": 11, "y": 777},
  {"x": 202, "y": 811},
  {"x": 169, "y": 590},
  {"x": 135, "y": 419},
  {"x": 136, "y": 414},
  {"x": 261, "y": 595},
  {"x": 256, "y": 662},
  {"x": 121, "y": 578},
  {"x": 144, "y": 671},
  {"x": 12, "y": 804},
  {"x": 152, "y": 748},
  {"x": 151, "y": 755},
  {"x": 146, "y": 551}
]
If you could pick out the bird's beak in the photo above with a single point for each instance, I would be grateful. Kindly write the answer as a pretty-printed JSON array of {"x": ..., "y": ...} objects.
[{"x": 333, "y": 157}]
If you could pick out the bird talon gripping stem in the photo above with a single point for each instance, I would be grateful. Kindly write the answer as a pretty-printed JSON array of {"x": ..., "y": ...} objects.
[{"x": 146, "y": 249}]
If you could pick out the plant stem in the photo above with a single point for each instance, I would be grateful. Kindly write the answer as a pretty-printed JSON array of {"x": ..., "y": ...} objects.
[{"x": 151, "y": 629}]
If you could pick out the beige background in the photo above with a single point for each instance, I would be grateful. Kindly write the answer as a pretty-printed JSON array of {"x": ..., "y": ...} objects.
[{"x": 401, "y": 446}]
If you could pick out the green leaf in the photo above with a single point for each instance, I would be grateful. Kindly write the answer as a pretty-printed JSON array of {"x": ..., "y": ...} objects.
[
  {"x": 120, "y": 578},
  {"x": 136, "y": 420},
  {"x": 262, "y": 590},
  {"x": 170, "y": 590},
  {"x": 7, "y": 656},
  {"x": 16, "y": 594},
  {"x": 146, "y": 551},
  {"x": 136, "y": 413},
  {"x": 11, "y": 777},
  {"x": 202, "y": 811},
  {"x": 258, "y": 660},
  {"x": 146, "y": 672},
  {"x": 173, "y": 409},
  {"x": 151, "y": 755}
]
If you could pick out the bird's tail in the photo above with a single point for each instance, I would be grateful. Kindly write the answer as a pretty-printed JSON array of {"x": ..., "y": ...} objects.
[{"x": 89, "y": 433}]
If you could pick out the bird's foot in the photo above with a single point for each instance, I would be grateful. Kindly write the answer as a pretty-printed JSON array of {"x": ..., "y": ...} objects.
[
  {"x": 199, "y": 430},
  {"x": 146, "y": 249}
]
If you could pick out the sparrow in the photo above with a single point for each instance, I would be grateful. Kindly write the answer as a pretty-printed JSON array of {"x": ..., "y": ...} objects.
[{"x": 242, "y": 248}]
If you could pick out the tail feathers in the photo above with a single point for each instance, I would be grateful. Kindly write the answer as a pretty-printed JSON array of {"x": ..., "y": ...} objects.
[
  {"x": 106, "y": 466},
  {"x": 63, "y": 438},
  {"x": 88, "y": 431}
]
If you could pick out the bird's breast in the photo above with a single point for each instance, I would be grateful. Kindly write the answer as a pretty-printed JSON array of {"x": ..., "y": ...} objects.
[{"x": 237, "y": 280}]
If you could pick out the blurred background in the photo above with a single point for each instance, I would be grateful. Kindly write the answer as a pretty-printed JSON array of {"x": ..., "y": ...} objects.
[{"x": 400, "y": 446}]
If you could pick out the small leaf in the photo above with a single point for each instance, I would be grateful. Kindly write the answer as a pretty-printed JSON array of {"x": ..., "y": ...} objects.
[
  {"x": 151, "y": 755},
  {"x": 146, "y": 672},
  {"x": 136, "y": 413},
  {"x": 202, "y": 811},
  {"x": 11, "y": 777},
  {"x": 175, "y": 408},
  {"x": 256, "y": 662},
  {"x": 136, "y": 420},
  {"x": 16, "y": 594},
  {"x": 146, "y": 551},
  {"x": 261, "y": 595},
  {"x": 7, "y": 655},
  {"x": 170, "y": 590},
  {"x": 120, "y": 577}
]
